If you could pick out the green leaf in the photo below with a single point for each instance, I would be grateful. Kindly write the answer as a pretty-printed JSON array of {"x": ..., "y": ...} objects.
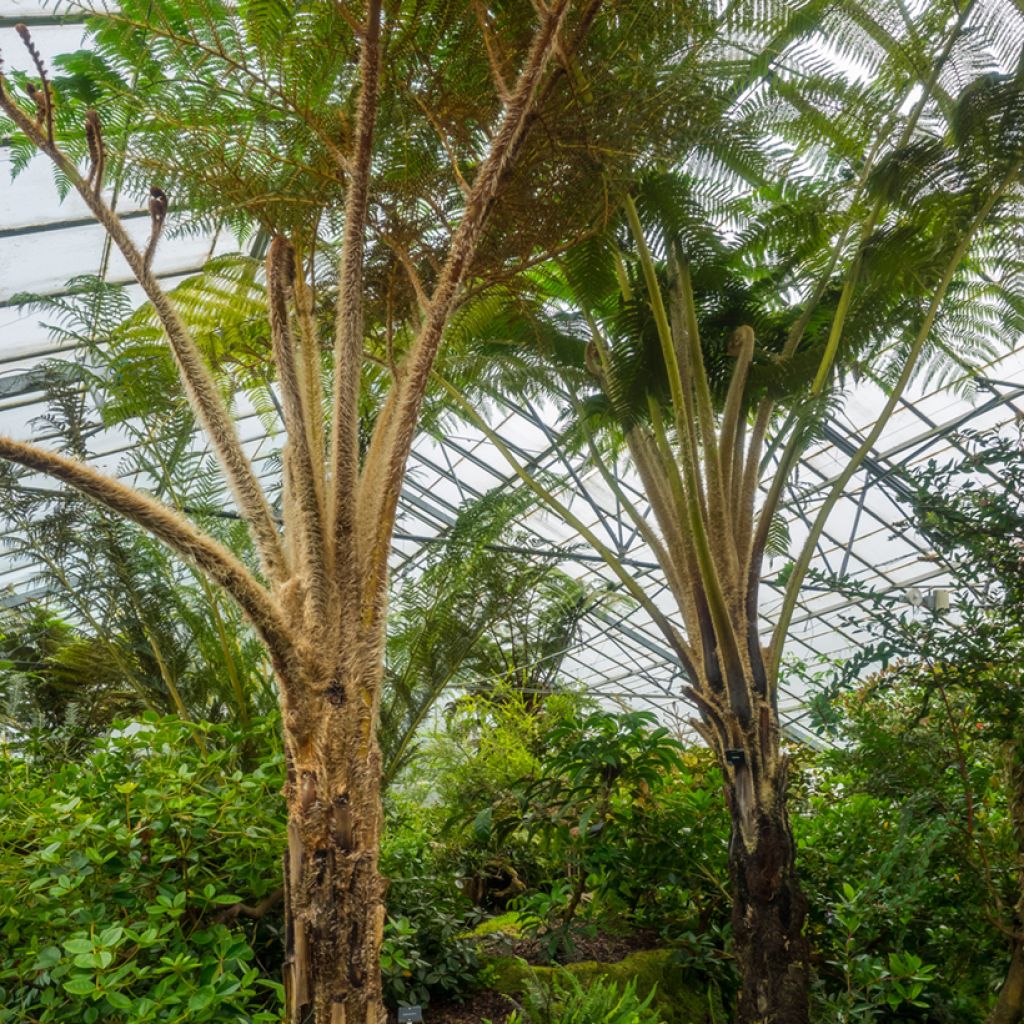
[
  {"x": 48, "y": 957},
  {"x": 202, "y": 998},
  {"x": 110, "y": 936},
  {"x": 80, "y": 986}
]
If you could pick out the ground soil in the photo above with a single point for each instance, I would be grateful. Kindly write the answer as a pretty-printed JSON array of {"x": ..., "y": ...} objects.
[
  {"x": 605, "y": 948},
  {"x": 476, "y": 1008}
]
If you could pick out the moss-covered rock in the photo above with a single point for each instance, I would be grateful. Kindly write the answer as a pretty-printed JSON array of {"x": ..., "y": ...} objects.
[{"x": 679, "y": 997}]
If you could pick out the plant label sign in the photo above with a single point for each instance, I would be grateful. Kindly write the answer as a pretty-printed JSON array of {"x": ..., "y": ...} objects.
[{"x": 412, "y": 1014}]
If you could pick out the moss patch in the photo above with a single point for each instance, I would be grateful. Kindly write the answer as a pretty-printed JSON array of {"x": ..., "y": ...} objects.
[
  {"x": 505, "y": 924},
  {"x": 680, "y": 997}
]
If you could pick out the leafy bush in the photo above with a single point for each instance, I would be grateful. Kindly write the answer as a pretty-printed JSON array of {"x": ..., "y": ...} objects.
[
  {"x": 874, "y": 987},
  {"x": 465, "y": 778},
  {"x": 426, "y": 955},
  {"x": 426, "y": 958},
  {"x": 576, "y": 817},
  {"x": 120, "y": 876},
  {"x": 917, "y": 815},
  {"x": 887, "y": 868},
  {"x": 568, "y": 1001},
  {"x": 620, "y": 810}
]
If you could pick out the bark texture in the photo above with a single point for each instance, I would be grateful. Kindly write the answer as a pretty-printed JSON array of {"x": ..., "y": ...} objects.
[
  {"x": 334, "y": 894},
  {"x": 768, "y": 912},
  {"x": 1009, "y": 1008}
]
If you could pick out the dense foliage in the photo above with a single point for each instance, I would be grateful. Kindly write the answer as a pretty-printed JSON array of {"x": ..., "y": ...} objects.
[
  {"x": 121, "y": 879},
  {"x": 139, "y": 884},
  {"x": 930, "y": 771}
]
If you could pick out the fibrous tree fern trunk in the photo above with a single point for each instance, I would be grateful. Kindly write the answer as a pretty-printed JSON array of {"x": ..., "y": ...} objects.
[
  {"x": 702, "y": 480},
  {"x": 321, "y": 613},
  {"x": 334, "y": 894},
  {"x": 769, "y": 907}
]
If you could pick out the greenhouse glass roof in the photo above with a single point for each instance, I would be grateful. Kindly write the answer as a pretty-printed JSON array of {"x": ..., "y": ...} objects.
[{"x": 619, "y": 653}]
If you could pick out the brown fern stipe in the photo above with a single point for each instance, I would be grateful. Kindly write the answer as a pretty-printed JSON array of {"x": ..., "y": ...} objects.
[
  {"x": 43, "y": 95},
  {"x": 157, "y": 216},
  {"x": 303, "y": 512},
  {"x": 97, "y": 151}
]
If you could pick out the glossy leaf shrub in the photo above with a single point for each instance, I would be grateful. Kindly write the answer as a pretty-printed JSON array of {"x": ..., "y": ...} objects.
[
  {"x": 427, "y": 955},
  {"x": 120, "y": 880}
]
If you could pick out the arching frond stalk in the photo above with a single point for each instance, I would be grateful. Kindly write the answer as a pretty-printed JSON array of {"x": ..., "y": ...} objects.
[
  {"x": 835, "y": 492},
  {"x": 348, "y": 337},
  {"x": 308, "y": 521},
  {"x": 394, "y": 432},
  {"x": 176, "y": 532}
]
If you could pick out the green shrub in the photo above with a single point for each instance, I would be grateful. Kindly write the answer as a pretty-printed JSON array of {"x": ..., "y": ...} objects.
[
  {"x": 426, "y": 958},
  {"x": 890, "y": 870},
  {"x": 468, "y": 776},
  {"x": 117, "y": 876},
  {"x": 631, "y": 826},
  {"x": 426, "y": 955}
]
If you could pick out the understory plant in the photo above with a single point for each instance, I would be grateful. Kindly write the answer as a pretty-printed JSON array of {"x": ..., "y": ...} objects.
[
  {"x": 577, "y": 820},
  {"x": 142, "y": 884},
  {"x": 487, "y": 742},
  {"x": 564, "y": 999},
  {"x": 873, "y": 987},
  {"x": 933, "y": 740},
  {"x": 893, "y": 891},
  {"x": 600, "y": 811},
  {"x": 427, "y": 955}
]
